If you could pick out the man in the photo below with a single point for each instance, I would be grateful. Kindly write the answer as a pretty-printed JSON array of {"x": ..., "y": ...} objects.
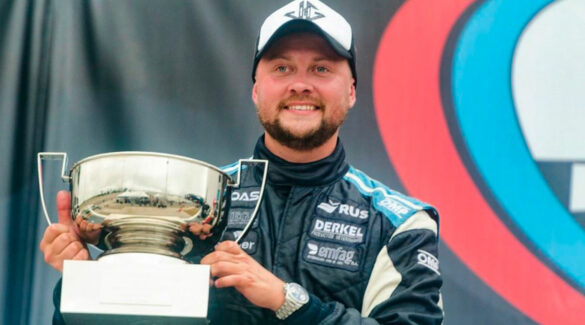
[{"x": 330, "y": 245}]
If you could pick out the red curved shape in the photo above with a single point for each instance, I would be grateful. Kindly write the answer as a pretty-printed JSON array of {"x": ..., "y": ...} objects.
[{"x": 408, "y": 107}]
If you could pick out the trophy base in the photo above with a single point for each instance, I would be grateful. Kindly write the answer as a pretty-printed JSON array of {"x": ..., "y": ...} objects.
[
  {"x": 83, "y": 319},
  {"x": 142, "y": 289}
]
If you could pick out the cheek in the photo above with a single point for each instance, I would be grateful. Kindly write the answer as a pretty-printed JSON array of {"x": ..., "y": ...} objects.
[
  {"x": 264, "y": 94},
  {"x": 341, "y": 97}
]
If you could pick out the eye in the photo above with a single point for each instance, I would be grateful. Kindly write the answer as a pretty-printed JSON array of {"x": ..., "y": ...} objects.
[
  {"x": 281, "y": 68},
  {"x": 321, "y": 69}
]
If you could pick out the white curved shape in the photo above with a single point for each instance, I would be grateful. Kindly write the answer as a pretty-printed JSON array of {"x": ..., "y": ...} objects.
[
  {"x": 577, "y": 199},
  {"x": 548, "y": 82}
]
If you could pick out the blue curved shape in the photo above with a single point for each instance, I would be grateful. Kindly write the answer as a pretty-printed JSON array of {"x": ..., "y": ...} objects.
[{"x": 484, "y": 107}]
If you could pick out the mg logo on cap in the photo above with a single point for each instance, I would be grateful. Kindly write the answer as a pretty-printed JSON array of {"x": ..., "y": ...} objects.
[{"x": 307, "y": 11}]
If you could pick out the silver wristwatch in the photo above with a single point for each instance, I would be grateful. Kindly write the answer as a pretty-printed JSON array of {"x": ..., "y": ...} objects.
[{"x": 295, "y": 296}]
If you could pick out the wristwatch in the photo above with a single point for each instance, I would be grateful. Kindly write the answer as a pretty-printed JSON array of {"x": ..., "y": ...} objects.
[{"x": 295, "y": 296}]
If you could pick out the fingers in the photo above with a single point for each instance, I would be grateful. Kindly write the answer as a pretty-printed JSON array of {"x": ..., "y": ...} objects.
[
  {"x": 52, "y": 232},
  {"x": 64, "y": 247},
  {"x": 64, "y": 207},
  {"x": 59, "y": 241},
  {"x": 228, "y": 260},
  {"x": 87, "y": 231},
  {"x": 231, "y": 272},
  {"x": 82, "y": 255},
  {"x": 71, "y": 250},
  {"x": 223, "y": 268},
  {"x": 230, "y": 266},
  {"x": 234, "y": 280},
  {"x": 201, "y": 231},
  {"x": 226, "y": 251},
  {"x": 229, "y": 246},
  {"x": 85, "y": 226},
  {"x": 58, "y": 246},
  {"x": 218, "y": 256}
]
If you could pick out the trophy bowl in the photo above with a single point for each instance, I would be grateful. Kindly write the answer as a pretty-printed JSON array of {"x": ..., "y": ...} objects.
[
  {"x": 154, "y": 214},
  {"x": 146, "y": 202}
]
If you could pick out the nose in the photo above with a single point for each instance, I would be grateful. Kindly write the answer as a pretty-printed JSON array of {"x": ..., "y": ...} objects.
[{"x": 301, "y": 84}]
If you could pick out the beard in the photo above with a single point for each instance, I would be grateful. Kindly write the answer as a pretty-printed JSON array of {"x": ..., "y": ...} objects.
[{"x": 301, "y": 142}]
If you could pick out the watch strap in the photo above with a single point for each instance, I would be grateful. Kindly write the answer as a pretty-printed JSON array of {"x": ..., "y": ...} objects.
[{"x": 295, "y": 296}]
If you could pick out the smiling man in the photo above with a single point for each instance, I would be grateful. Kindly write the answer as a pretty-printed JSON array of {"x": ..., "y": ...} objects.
[
  {"x": 330, "y": 245},
  {"x": 302, "y": 92}
]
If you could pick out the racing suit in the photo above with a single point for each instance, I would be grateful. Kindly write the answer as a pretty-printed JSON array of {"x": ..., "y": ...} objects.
[{"x": 365, "y": 253}]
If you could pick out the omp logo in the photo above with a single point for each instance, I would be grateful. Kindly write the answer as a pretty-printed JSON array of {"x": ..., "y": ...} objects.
[
  {"x": 428, "y": 260},
  {"x": 394, "y": 206},
  {"x": 328, "y": 207},
  {"x": 345, "y": 209},
  {"x": 306, "y": 11},
  {"x": 246, "y": 196}
]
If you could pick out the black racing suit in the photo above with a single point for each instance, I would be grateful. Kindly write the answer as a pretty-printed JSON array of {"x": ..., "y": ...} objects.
[{"x": 365, "y": 253}]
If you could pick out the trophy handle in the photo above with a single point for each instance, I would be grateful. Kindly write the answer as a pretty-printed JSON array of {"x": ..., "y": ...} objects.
[
  {"x": 50, "y": 156},
  {"x": 262, "y": 186}
]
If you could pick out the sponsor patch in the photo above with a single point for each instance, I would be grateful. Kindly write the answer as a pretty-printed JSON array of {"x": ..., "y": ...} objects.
[
  {"x": 349, "y": 210},
  {"x": 394, "y": 206},
  {"x": 238, "y": 218},
  {"x": 337, "y": 230},
  {"x": 245, "y": 197},
  {"x": 428, "y": 260},
  {"x": 328, "y": 254},
  {"x": 249, "y": 243}
]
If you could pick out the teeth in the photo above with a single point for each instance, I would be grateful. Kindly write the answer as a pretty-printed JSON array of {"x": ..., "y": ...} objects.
[{"x": 302, "y": 107}]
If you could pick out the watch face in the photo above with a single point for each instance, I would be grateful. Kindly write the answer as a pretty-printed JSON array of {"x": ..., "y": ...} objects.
[{"x": 298, "y": 293}]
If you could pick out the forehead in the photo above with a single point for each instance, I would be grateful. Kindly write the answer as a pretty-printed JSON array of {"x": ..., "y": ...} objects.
[{"x": 302, "y": 42}]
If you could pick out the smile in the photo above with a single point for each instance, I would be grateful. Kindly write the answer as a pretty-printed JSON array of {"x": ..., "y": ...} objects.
[{"x": 301, "y": 107}]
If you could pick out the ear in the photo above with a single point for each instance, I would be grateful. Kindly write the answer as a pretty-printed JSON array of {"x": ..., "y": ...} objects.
[
  {"x": 255, "y": 94},
  {"x": 352, "y": 93}
]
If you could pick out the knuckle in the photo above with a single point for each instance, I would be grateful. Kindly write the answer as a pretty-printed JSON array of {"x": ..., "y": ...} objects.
[
  {"x": 48, "y": 258},
  {"x": 77, "y": 245},
  {"x": 70, "y": 251},
  {"x": 62, "y": 239},
  {"x": 82, "y": 255},
  {"x": 218, "y": 267}
]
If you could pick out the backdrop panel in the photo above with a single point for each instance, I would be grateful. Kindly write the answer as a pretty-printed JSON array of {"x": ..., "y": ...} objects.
[{"x": 449, "y": 109}]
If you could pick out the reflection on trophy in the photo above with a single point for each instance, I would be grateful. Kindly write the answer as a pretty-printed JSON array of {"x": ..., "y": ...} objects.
[{"x": 147, "y": 206}]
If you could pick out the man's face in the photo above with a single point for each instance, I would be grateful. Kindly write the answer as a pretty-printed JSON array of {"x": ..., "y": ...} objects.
[{"x": 303, "y": 91}]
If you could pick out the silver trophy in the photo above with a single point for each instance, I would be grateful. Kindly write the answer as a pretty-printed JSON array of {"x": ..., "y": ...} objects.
[{"x": 147, "y": 209}]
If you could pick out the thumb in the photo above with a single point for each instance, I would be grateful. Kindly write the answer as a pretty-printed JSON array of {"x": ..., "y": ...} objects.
[{"x": 64, "y": 207}]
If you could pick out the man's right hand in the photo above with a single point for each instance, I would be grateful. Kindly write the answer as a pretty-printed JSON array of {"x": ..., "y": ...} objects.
[{"x": 60, "y": 241}]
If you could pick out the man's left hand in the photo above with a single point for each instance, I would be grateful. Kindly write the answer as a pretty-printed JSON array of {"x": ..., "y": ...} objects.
[{"x": 232, "y": 267}]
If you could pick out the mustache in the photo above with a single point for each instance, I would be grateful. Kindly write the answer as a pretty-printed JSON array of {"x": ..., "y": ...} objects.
[{"x": 299, "y": 98}]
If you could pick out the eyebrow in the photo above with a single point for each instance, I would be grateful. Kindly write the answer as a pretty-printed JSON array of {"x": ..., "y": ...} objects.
[
  {"x": 277, "y": 56},
  {"x": 271, "y": 57}
]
